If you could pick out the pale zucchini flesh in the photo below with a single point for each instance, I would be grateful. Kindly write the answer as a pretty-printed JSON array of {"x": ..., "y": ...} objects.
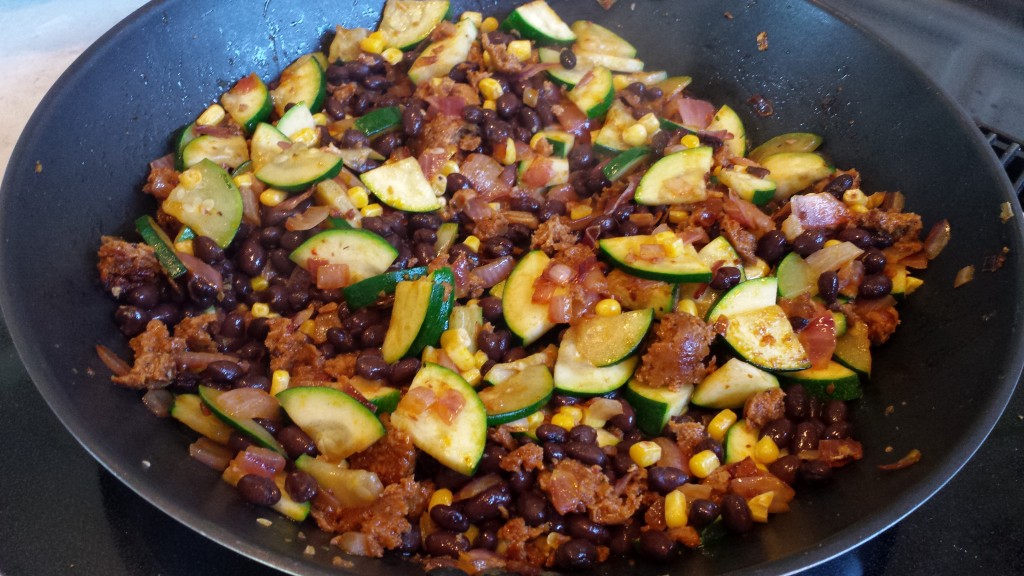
[
  {"x": 731, "y": 385},
  {"x": 402, "y": 185},
  {"x": 679, "y": 178}
]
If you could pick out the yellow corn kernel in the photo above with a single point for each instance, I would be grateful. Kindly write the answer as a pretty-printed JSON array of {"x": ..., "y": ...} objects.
[
  {"x": 243, "y": 180},
  {"x": 608, "y": 307},
  {"x": 702, "y": 464},
  {"x": 635, "y": 135},
  {"x": 620, "y": 81},
  {"x": 563, "y": 421},
  {"x": 580, "y": 211},
  {"x": 260, "y": 310},
  {"x": 574, "y": 412},
  {"x": 321, "y": 119},
  {"x": 374, "y": 43},
  {"x": 472, "y": 376},
  {"x": 490, "y": 88},
  {"x": 259, "y": 283},
  {"x": 211, "y": 116},
  {"x": 279, "y": 381},
  {"x": 487, "y": 60},
  {"x": 475, "y": 17},
  {"x": 489, "y": 104},
  {"x": 455, "y": 338},
  {"x": 855, "y": 196},
  {"x": 441, "y": 496},
  {"x": 472, "y": 242},
  {"x": 430, "y": 354},
  {"x": 358, "y": 196},
  {"x": 759, "y": 506},
  {"x": 271, "y": 197},
  {"x": 438, "y": 184},
  {"x": 449, "y": 167},
  {"x": 471, "y": 533},
  {"x": 371, "y": 210},
  {"x": 520, "y": 49},
  {"x": 184, "y": 246},
  {"x": 665, "y": 237},
  {"x": 606, "y": 438},
  {"x": 831, "y": 242},
  {"x": 496, "y": 206},
  {"x": 675, "y": 509},
  {"x": 480, "y": 358},
  {"x": 690, "y": 141},
  {"x": 766, "y": 451},
  {"x": 645, "y": 453},
  {"x": 489, "y": 24},
  {"x": 650, "y": 122},
  {"x": 308, "y": 327},
  {"x": 190, "y": 178},
  {"x": 392, "y": 55},
  {"x": 508, "y": 155},
  {"x": 678, "y": 216},
  {"x": 306, "y": 136},
  {"x": 912, "y": 285},
  {"x": 687, "y": 305},
  {"x": 535, "y": 419},
  {"x": 859, "y": 209},
  {"x": 530, "y": 97},
  {"x": 721, "y": 423}
]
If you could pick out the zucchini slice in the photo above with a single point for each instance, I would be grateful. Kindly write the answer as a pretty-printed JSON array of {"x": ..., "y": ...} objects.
[
  {"x": 385, "y": 398},
  {"x": 366, "y": 292},
  {"x": 561, "y": 142},
  {"x": 248, "y": 102},
  {"x": 679, "y": 178},
  {"x": 267, "y": 143},
  {"x": 525, "y": 318},
  {"x": 181, "y": 139},
  {"x": 644, "y": 256},
  {"x": 756, "y": 190},
  {"x": 295, "y": 120},
  {"x": 458, "y": 442},
  {"x": 654, "y": 407},
  {"x": 402, "y": 185},
  {"x": 302, "y": 82},
  {"x": 155, "y": 236},
  {"x": 420, "y": 314},
  {"x": 833, "y": 382},
  {"x": 574, "y": 374},
  {"x": 853, "y": 349},
  {"x": 345, "y": 44},
  {"x": 591, "y": 37},
  {"x": 740, "y": 440},
  {"x": 727, "y": 119},
  {"x": 379, "y": 121},
  {"x": 731, "y": 384},
  {"x": 638, "y": 293},
  {"x": 795, "y": 171},
  {"x": 338, "y": 424},
  {"x": 440, "y": 57},
  {"x": 609, "y": 137},
  {"x": 188, "y": 409},
  {"x": 559, "y": 74},
  {"x": 299, "y": 168},
  {"x": 553, "y": 172},
  {"x": 625, "y": 163},
  {"x": 590, "y": 60},
  {"x": 594, "y": 93},
  {"x": 796, "y": 277},
  {"x": 207, "y": 201},
  {"x": 791, "y": 142},
  {"x": 765, "y": 338},
  {"x": 365, "y": 253},
  {"x": 753, "y": 294},
  {"x": 518, "y": 396},
  {"x": 537, "y": 21},
  {"x": 607, "y": 340},
  {"x": 228, "y": 151},
  {"x": 247, "y": 426},
  {"x": 719, "y": 252},
  {"x": 406, "y": 23},
  {"x": 352, "y": 488}
]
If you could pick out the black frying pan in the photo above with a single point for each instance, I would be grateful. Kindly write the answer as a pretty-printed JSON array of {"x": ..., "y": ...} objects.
[{"x": 948, "y": 372}]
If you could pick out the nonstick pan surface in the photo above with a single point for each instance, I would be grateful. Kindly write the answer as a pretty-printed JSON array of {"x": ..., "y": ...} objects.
[{"x": 947, "y": 374}]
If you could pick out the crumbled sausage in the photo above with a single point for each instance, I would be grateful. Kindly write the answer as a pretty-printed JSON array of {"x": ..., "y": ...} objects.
[
  {"x": 677, "y": 355},
  {"x": 124, "y": 266}
]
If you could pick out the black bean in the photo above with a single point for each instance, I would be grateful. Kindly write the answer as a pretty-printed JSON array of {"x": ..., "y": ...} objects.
[
  {"x": 387, "y": 144},
  {"x": 799, "y": 323},
  {"x": 300, "y": 486},
  {"x": 223, "y": 371},
  {"x": 552, "y": 208},
  {"x": 772, "y": 246},
  {"x": 702, "y": 513},
  {"x": 780, "y": 431},
  {"x": 238, "y": 441},
  {"x": 835, "y": 411},
  {"x": 258, "y": 329},
  {"x": 201, "y": 292},
  {"x": 272, "y": 426},
  {"x": 815, "y": 472},
  {"x": 373, "y": 336},
  {"x": 456, "y": 182},
  {"x": 786, "y": 468},
  {"x": 514, "y": 353},
  {"x": 410, "y": 541},
  {"x": 583, "y": 433},
  {"x": 624, "y": 539},
  {"x": 874, "y": 286},
  {"x": 805, "y": 437},
  {"x": 625, "y": 421},
  {"x": 296, "y": 442},
  {"x": 473, "y": 114},
  {"x": 660, "y": 141},
  {"x": 567, "y": 58},
  {"x": 882, "y": 239},
  {"x": 376, "y": 82},
  {"x": 233, "y": 325},
  {"x": 653, "y": 93},
  {"x": 796, "y": 402},
  {"x": 353, "y": 138},
  {"x": 446, "y": 543},
  {"x": 497, "y": 246},
  {"x": 548, "y": 432},
  {"x": 449, "y": 518},
  {"x": 664, "y": 479},
  {"x": 874, "y": 260},
  {"x": 857, "y": 236},
  {"x": 277, "y": 297},
  {"x": 657, "y": 546},
  {"x": 281, "y": 262},
  {"x": 428, "y": 221},
  {"x": 425, "y": 236},
  {"x": 496, "y": 131},
  {"x": 533, "y": 508},
  {"x": 736, "y": 513},
  {"x": 576, "y": 554},
  {"x": 335, "y": 108},
  {"x": 589, "y": 454},
  {"x": 258, "y": 490},
  {"x": 529, "y": 119},
  {"x": 403, "y": 371},
  {"x": 815, "y": 409},
  {"x": 621, "y": 462},
  {"x": 145, "y": 296},
  {"x": 828, "y": 286},
  {"x": 254, "y": 380},
  {"x": 167, "y": 313},
  {"x": 340, "y": 339},
  {"x": 808, "y": 242},
  {"x": 508, "y": 105},
  {"x": 450, "y": 479},
  {"x": 251, "y": 258},
  {"x": 487, "y": 504},
  {"x": 710, "y": 444},
  {"x": 837, "y": 431},
  {"x": 553, "y": 452},
  {"x": 839, "y": 184},
  {"x": 521, "y": 481},
  {"x": 726, "y": 277},
  {"x": 207, "y": 250},
  {"x": 372, "y": 367},
  {"x": 490, "y": 462},
  {"x": 579, "y": 526},
  {"x": 636, "y": 88},
  {"x": 492, "y": 308},
  {"x": 494, "y": 344}
]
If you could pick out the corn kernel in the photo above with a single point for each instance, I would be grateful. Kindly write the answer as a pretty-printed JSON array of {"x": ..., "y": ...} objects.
[
  {"x": 260, "y": 310},
  {"x": 859, "y": 209},
  {"x": 650, "y": 122},
  {"x": 439, "y": 184},
  {"x": 184, "y": 246},
  {"x": 211, "y": 116},
  {"x": 608, "y": 307},
  {"x": 520, "y": 49},
  {"x": 487, "y": 60},
  {"x": 279, "y": 381},
  {"x": 490, "y": 89},
  {"x": 678, "y": 216},
  {"x": 358, "y": 196},
  {"x": 675, "y": 248},
  {"x": 471, "y": 533},
  {"x": 259, "y": 283},
  {"x": 702, "y": 464},
  {"x": 431, "y": 354},
  {"x": 635, "y": 135},
  {"x": 480, "y": 358},
  {"x": 766, "y": 451},
  {"x": 393, "y": 55},
  {"x": 721, "y": 423},
  {"x": 574, "y": 412},
  {"x": 243, "y": 180},
  {"x": 675, "y": 509},
  {"x": 508, "y": 155},
  {"x": 306, "y": 136},
  {"x": 687, "y": 305},
  {"x": 690, "y": 141},
  {"x": 855, "y": 196},
  {"x": 759, "y": 506},
  {"x": 489, "y": 104},
  {"x": 530, "y": 97},
  {"x": 371, "y": 210},
  {"x": 449, "y": 167},
  {"x": 620, "y": 81},
  {"x": 489, "y": 24},
  {"x": 535, "y": 419},
  {"x": 271, "y": 197},
  {"x": 665, "y": 237},
  {"x": 563, "y": 421},
  {"x": 321, "y": 119},
  {"x": 455, "y": 338},
  {"x": 441, "y": 496},
  {"x": 472, "y": 242},
  {"x": 190, "y": 178},
  {"x": 475, "y": 17},
  {"x": 912, "y": 285},
  {"x": 580, "y": 211},
  {"x": 308, "y": 327},
  {"x": 374, "y": 43},
  {"x": 645, "y": 453},
  {"x": 832, "y": 242}
]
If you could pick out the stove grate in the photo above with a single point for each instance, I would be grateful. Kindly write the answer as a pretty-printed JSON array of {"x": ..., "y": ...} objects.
[{"x": 1010, "y": 154}]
